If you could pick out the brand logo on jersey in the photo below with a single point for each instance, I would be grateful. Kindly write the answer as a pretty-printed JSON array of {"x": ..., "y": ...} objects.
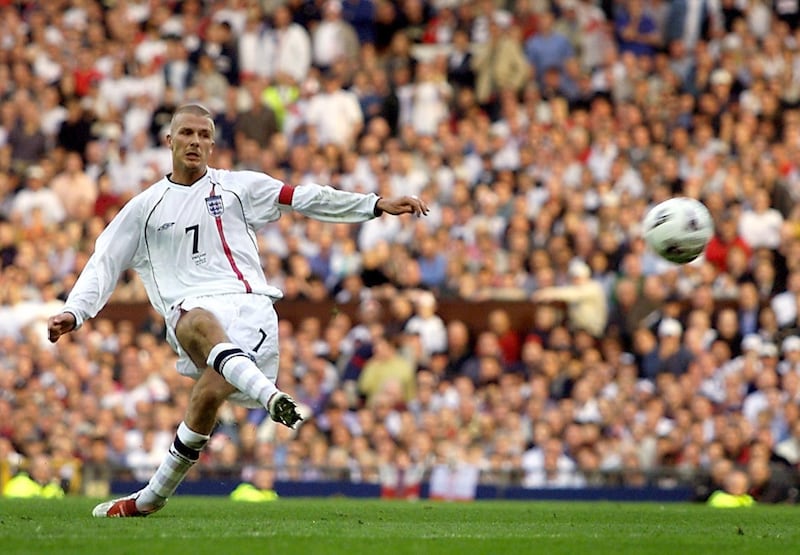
[
  {"x": 167, "y": 225},
  {"x": 215, "y": 206}
]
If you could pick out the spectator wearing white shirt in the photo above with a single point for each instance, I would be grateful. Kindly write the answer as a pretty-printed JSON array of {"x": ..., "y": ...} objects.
[
  {"x": 145, "y": 457},
  {"x": 625, "y": 178},
  {"x": 766, "y": 395},
  {"x": 335, "y": 114},
  {"x": 601, "y": 156},
  {"x": 790, "y": 350},
  {"x": 761, "y": 225},
  {"x": 115, "y": 89},
  {"x": 250, "y": 46},
  {"x": 151, "y": 48},
  {"x": 37, "y": 199},
  {"x": 789, "y": 448},
  {"x": 358, "y": 173},
  {"x": 749, "y": 362},
  {"x": 333, "y": 38},
  {"x": 594, "y": 37},
  {"x": 291, "y": 44},
  {"x": 136, "y": 119},
  {"x": 137, "y": 11},
  {"x": 234, "y": 14},
  {"x": 376, "y": 231},
  {"x": 554, "y": 469},
  {"x": 431, "y": 96},
  {"x": 785, "y": 304},
  {"x": 49, "y": 59},
  {"x": 454, "y": 477},
  {"x": 53, "y": 112},
  {"x": 428, "y": 325}
]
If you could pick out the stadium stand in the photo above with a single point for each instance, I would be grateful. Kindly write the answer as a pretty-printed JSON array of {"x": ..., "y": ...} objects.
[{"x": 539, "y": 132}]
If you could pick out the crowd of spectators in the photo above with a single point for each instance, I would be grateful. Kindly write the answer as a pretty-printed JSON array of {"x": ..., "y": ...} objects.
[{"x": 538, "y": 132}]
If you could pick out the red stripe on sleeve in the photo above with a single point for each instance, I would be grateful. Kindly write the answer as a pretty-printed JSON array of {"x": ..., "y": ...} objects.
[{"x": 286, "y": 195}]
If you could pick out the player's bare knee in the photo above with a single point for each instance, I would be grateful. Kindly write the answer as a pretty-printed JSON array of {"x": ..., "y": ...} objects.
[
  {"x": 196, "y": 322},
  {"x": 197, "y": 331}
]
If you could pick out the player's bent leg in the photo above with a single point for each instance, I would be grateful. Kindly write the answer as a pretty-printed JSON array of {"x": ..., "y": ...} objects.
[
  {"x": 232, "y": 365},
  {"x": 202, "y": 337}
]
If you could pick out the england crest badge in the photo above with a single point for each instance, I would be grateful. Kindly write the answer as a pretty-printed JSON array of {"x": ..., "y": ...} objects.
[{"x": 215, "y": 206}]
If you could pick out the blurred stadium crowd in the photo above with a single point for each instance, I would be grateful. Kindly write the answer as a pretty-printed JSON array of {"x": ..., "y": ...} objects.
[{"x": 539, "y": 133}]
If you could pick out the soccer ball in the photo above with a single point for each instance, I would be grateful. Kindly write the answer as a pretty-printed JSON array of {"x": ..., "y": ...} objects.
[{"x": 678, "y": 229}]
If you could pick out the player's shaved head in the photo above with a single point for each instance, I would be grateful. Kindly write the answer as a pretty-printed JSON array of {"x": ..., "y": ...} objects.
[
  {"x": 191, "y": 140},
  {"x": 192, "y": 109}
]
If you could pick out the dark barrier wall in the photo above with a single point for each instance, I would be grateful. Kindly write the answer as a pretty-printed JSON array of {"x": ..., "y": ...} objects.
[
  {"x": 347, "y": 489},
  {"x": 474, "y": 314}
]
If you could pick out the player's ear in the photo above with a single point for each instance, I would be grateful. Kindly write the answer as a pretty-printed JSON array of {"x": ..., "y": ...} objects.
[{"x": 169, "y": 140}]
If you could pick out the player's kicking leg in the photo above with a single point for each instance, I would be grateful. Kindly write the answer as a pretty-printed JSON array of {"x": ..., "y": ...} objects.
[{"x": 201, "y": 335}]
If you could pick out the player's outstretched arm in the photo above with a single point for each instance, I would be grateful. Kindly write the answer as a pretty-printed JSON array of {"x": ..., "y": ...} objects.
[
  {"x": 402, "y": 205},
  {"x": 60, "y": 324},
  {"x": 327, "y": 204}
]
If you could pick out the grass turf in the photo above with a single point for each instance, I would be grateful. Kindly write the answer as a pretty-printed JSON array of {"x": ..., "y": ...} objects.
[{"x": 205, "y": 525}]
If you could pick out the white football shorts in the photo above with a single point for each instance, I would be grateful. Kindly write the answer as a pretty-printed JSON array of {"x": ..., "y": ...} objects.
[{"x": 251, "y": 323}]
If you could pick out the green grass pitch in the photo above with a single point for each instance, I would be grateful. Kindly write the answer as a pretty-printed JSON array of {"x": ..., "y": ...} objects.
[{"x": 206, "y": 525}]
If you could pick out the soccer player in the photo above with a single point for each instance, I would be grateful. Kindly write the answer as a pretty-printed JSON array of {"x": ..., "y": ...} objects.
[{"x": 191, "y": 238}]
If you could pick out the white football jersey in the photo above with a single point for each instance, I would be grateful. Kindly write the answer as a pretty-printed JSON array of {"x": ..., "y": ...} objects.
[{"x": 189, "y": 241}]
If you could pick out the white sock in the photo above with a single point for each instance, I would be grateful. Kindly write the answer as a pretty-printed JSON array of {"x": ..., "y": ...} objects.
[
  {"x": 183, "y": 453},
  {"x": 239, "y": 370}
]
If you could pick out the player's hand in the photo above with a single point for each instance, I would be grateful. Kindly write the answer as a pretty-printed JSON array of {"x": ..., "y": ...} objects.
[
  {"x": 403, "y": 205},
  {"x": 60, "y": 324}
]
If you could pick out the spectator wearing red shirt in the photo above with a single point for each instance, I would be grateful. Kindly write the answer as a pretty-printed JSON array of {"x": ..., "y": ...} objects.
[
  {"x": 510, "y": 342},
  {"x": 85, "y": 73},
  {"x": 726, "y": 237}
]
